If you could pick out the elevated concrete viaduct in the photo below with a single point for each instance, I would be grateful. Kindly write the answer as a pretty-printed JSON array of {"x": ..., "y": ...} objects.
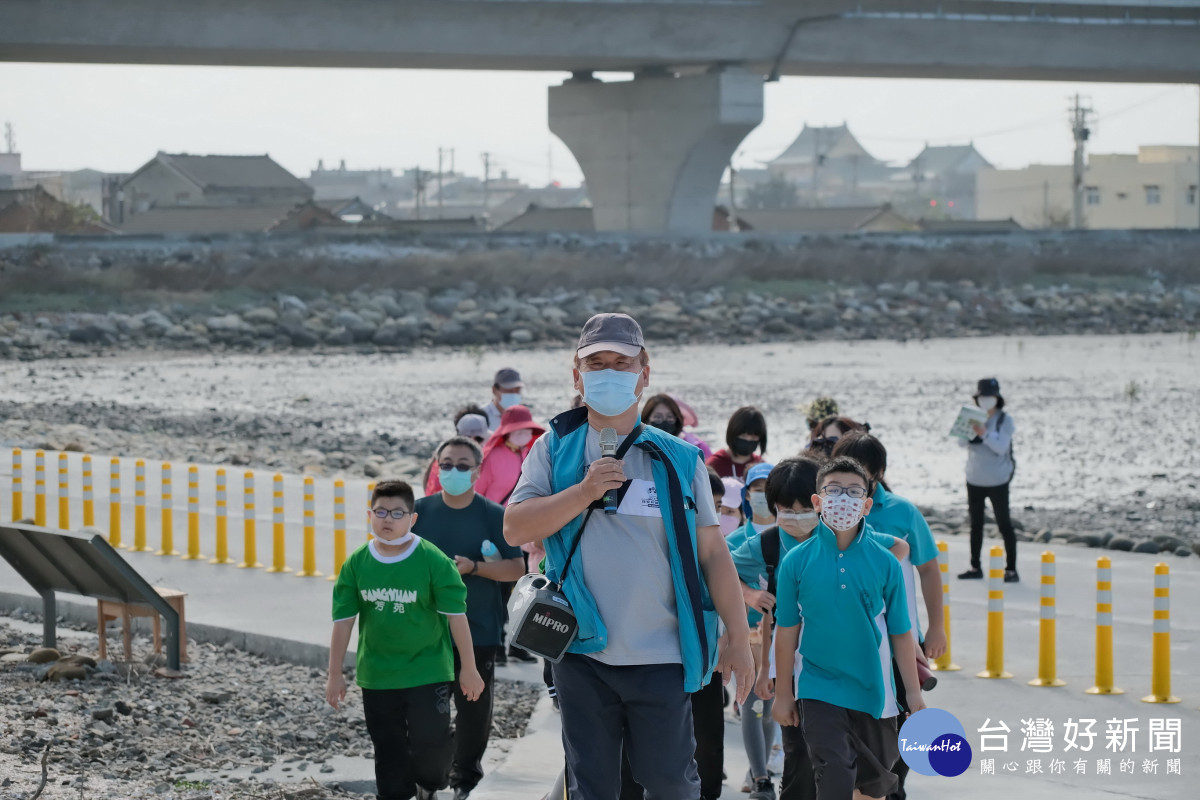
[{"x": 652, "y": 149}]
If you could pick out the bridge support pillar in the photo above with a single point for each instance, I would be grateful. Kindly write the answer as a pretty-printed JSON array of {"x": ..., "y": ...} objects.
[{"x": 653, "y": 149}]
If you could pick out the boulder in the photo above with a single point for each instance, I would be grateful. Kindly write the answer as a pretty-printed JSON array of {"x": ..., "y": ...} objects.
[
  {"x": 44, "y": 655},
  {"x": 1120, "y": 543},
  {"x": 1147, "y": 547},
  {"x": 262, "y": 315}
]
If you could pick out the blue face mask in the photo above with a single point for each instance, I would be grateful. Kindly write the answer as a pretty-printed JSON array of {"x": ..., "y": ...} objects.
[
  {"x": 609, "y": 392},
  {"x": 510, "y": 399},
  {"x": 455, "y": 482}
]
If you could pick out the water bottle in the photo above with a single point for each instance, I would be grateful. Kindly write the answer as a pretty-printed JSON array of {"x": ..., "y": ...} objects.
[{"x": 490, "y": 553}]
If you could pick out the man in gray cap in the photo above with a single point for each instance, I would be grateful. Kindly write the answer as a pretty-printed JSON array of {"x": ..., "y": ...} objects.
[
  {"x": 507, "y": 387},
  {"x": 648, "y": 577}
]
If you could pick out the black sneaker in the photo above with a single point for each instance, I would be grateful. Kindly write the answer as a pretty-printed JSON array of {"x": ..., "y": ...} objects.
[
  {"x": 1010, "y": 576},
  {"x": 973, "y": 573},
  {"x": 763, "y": 789}
]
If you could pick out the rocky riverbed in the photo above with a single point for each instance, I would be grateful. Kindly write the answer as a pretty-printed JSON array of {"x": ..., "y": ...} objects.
[
  {"x": 467, "y": 315},
  {"x": 139, "y": 730},
  {"x": 1107, "y": 444}
]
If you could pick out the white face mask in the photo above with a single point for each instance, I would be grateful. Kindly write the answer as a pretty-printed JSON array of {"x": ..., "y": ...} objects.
[
  {"x": 782, "y": 516},
  {"x": 520, "y": 438},
  {"x": 842, "y": 512},
  {"x": 758, "y": 504},
  {"x": 986, "y": 403}
]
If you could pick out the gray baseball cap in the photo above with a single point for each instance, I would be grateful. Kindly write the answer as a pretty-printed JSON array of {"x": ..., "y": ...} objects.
[
  {"x": 617, "y": 332},
  {"x": 473, "y": 426},
  {"x": 508, "y": 378}
]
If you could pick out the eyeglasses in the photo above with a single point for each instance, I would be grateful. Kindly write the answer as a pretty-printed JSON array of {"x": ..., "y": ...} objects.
[
  {"x": 460, "y": 467},
  {"x": 857, "y": 492},
  {"x": 384, "y": 513}
]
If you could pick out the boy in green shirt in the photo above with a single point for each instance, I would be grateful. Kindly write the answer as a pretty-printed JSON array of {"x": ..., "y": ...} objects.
[{"x": 411, "y": 602}]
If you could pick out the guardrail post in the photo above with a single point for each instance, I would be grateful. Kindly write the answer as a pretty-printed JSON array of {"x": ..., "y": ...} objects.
[
  {"x": 222, "y": 556},
  {"x": 114, "y": 502},
  {"x": 249, "y": 543},
  {"x": 339, "y": 527},
  {"x": 193, "y": 512},
  {"x": 89, "y": 506},
  {"x": 995, "y": 618},
  {"x": 278, "y": 560},
  {"x": 309, "y": 569},
  {"x": 1047, "y": 624},
  {"x": 139, "y": 507},
  {"x": 1104, "y": 630},
  {"x": 18, "y": 486},
  {"x": 1160, "y": 665},
  {"x": 944, "y": 663},
  {"x": 168, "y": 515},
  {"x": 64, "y": 494},
  {"x": 39, "y": 488}
]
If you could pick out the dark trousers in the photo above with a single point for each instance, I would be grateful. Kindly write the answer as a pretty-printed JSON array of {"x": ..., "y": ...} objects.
[
  {"x": 472, "y": 722},
  {"x": 900, "y": 769},
  {"x": 849, "y": 750},
  {"x": 708, "y": 728},
  {"x": 998, "y": 497},
  {"x": 798, "y": 782},
  {"x": 603, "y": 707},
  {"x": 410, "y": 729}
]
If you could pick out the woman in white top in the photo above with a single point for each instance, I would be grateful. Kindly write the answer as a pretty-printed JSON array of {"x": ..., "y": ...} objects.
[{"x": 990, "y": 468}]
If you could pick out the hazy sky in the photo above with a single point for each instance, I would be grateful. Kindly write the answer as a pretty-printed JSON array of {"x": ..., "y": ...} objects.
[{"x": 115, "y": 118}]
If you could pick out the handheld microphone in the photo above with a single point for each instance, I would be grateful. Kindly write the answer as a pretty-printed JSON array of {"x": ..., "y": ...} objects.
[{"x": 608, "y": 449}]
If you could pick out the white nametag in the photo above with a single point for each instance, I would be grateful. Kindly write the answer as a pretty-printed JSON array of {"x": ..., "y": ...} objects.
[{"x": 641, "y": 500}]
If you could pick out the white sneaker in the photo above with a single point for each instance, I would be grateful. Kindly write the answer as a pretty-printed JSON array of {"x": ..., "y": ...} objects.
[{"x": 775, "y": 764}]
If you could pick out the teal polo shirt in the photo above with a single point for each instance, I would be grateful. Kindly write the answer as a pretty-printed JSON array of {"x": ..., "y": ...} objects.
[
  {"x": 751, "y": 564},
  {"x": 734, "y": 541},
  {"x": 893, "y": 514},
  {"x": 850, "y": 601}
]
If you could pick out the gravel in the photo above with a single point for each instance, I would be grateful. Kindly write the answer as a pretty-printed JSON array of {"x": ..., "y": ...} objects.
[{"x": 137, "y": 730}]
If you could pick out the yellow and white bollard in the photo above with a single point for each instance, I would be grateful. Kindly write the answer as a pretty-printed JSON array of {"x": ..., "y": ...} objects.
[
  {"x": 995, "y": 619},
  {"x": 370, "y": 491},
  {"x": 249, "y": 543},
  {"x": 168, "y": 515},
  {"x": 1104, "y": 630},
  {"x": 114, "y": 502},
  {"x": 39, "y": 488},
  {"x": 1047, "y": 633},
  {"x": 64, "y": 493},
  {"x": 278, "y": 560},
  {"x": 309, "y": 568},
  {"x": 944, "y": 663},
  {"x": 1160, "y": 665},
  {"x": 193, "y": 512},
  {"x": 89, "y": 506},
  {"x": 339, "y": 527},
  {"x": 18, "y": 486},
  {"x": 222, "y": 556},
  {"x": 139, "y": 507}
]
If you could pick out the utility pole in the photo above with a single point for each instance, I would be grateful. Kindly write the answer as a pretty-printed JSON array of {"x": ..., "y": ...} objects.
[
  {"x": 419, "y": 189},
  {"x": 1080, "y": 132},
  {"x": 487, "y": 177},
  {"x": 1045, "y": 204},
  {"x": 816, "y": 161},
  {"x": 439, "y": 184},
  {"x": 10, "y": 138}
]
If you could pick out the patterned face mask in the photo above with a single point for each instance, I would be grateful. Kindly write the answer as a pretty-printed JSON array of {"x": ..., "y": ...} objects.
[{"x": 842, "y": 512}]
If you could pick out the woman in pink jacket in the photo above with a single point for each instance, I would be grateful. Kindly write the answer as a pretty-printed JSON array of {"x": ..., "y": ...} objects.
[{"x": 505, "y": 452}]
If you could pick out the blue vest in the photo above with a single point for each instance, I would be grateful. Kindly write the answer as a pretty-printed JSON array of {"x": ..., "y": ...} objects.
[{"x": 567, "y": 440}]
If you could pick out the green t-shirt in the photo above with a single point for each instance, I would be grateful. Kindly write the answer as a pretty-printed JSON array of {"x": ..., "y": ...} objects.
[{"x": 401, "y": 602}]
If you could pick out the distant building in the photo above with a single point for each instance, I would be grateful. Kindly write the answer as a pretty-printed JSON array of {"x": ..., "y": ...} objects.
[
  {"x": 844, "y": 219},
  {"x": 35, "y": 210},
  {"x": 181, "y": 180},
  {"x": 190, "y": 220},
  {"x": 353, "y": 210},
  {"x": 947, "y": 175},
  {"x": 969, "y": 226},
  {"x": 1157, "y": 188},
  {"x": 831, "y": 167}
]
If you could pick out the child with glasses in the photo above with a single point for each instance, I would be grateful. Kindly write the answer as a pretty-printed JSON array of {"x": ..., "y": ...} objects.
[
  {"x": 847, "y": 590},
  {"x": 410, "y": 603}
]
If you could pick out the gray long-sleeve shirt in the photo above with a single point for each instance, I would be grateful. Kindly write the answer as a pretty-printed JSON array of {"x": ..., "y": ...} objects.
[{"x": 990, "y": 462}]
